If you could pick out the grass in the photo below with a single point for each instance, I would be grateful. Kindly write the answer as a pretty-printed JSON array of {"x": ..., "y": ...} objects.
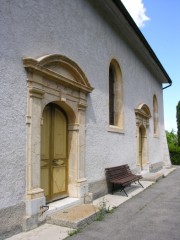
[
  {"x": 74, "y": 232},
  {"x": 103, "y": 210}
]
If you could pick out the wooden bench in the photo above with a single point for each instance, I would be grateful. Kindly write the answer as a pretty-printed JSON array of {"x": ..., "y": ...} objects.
[{"x": 122, "y": 176}]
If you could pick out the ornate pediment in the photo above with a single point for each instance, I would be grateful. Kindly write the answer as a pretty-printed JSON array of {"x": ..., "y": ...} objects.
[
  {"x": 60, "y": 69},
  {"x": 143, "y": 110}
]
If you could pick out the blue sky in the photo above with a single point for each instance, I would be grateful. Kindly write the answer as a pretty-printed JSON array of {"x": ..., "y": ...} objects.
[{"x": 159, "y": 21}]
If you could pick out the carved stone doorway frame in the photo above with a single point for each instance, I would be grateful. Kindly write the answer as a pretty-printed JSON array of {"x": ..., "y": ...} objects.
[
  {"x": 143, "y": 115},
  {"x": 57, "y": 79}
]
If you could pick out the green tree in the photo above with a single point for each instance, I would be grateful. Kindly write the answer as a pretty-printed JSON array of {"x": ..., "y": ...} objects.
[
  {"x": 178, "y": 122},
  {"x": 171, "y": 138}
]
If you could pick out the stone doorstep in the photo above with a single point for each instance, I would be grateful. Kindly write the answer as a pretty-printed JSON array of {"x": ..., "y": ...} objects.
[
  {"x": 74, "y": 217},
  {"x": 154, "y": 177},
  {"x": 63, "y": 204}
]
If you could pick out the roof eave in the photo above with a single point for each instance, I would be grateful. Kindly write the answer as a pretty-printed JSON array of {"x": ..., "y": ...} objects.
[{"x": 139, "y": 34}]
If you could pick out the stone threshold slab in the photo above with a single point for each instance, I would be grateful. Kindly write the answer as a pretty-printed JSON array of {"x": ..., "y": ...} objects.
[
  {"x": 154, "y": 177},
  {"x": 74, "y": 217},
  {"x": 63, "y": 204}
]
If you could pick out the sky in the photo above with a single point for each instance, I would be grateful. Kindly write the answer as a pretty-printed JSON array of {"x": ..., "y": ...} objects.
[{"x": 159, "y": 22}]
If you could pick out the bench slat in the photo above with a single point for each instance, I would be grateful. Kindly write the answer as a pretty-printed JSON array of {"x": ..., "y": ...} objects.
[{"x": 121, "y": 175}]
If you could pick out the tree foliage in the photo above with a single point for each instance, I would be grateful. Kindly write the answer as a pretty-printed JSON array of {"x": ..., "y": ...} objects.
[
  {"x": 178, "y": 122},
  {"x": 174, "y": 150},
  {"x": 171, "y": 138}
]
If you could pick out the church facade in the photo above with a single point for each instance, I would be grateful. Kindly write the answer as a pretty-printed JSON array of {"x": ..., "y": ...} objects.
[{"x": 81, "y": 90}]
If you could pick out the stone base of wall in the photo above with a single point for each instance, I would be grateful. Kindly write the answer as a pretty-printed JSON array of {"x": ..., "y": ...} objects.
[
  {"x": 33, "y": 222},
  {"x": 155, "y": 167},
  {"x": 11, "y": 220},
  {"x": 35, "y": 214},
  {"x": 98, "y": 188}
]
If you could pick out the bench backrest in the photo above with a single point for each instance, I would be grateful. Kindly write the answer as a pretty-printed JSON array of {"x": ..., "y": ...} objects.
[{"x": 118, "y": 172}]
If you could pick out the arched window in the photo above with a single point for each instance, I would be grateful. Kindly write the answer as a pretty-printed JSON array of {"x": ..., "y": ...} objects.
[
  {"x": 115, "y": 95},
  {"x": 155, "y": 115}
]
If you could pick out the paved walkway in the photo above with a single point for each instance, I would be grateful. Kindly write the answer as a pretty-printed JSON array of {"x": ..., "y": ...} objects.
[{"x": 154, "y": 214}]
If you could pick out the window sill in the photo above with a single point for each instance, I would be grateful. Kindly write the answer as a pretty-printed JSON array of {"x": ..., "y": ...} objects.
[{"x": 115, "y": 129}]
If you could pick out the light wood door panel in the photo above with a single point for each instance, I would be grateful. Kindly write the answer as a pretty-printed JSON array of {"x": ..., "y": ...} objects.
[{"x": 54, "y": 153}]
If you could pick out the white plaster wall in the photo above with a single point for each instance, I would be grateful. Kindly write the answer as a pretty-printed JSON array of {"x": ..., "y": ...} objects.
[
  {"x": 74, "y": 29},
  {"x": 12, "y": 114}
]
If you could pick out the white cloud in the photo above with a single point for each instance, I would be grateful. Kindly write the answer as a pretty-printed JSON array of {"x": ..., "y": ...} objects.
[{"x": 137, "y": 11}]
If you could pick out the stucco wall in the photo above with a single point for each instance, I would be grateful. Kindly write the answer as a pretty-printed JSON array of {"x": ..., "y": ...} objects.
[
  {"x": 12, "y": 112},
  {"x": 74, "y": 29}
]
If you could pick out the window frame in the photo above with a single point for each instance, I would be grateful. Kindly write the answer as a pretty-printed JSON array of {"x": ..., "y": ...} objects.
[
  {"x": 116, "y": 114},
  {"x": 155, "y": 117}
]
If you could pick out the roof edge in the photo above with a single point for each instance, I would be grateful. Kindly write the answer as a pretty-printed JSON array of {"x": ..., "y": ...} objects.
[{"x": 131, "y": 22}]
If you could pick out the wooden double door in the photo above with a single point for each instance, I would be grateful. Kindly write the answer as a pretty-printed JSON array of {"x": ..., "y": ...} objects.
[{"x": 54, "y": 161}]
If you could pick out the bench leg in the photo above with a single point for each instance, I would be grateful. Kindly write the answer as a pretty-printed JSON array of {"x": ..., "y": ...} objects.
[
  {"x": 125, "y": 192},
  {"x": 140, "y": 184},
  {"x": 123, "y": 189},
  {"x": 112, "y": 188}
]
